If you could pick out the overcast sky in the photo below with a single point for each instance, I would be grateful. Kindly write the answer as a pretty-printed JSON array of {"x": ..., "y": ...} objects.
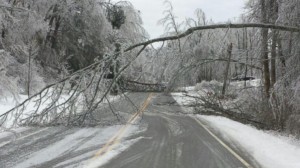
[{"x": 217, "y": 10}]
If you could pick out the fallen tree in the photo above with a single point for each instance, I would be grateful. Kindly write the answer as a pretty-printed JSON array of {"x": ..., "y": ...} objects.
[
  {"x": 91, "y": 87},
  {"x": 211, "y": 105}
]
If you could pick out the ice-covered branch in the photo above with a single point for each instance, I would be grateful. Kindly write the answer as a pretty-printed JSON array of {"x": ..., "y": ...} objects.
[{"x": 216, "y": 26}]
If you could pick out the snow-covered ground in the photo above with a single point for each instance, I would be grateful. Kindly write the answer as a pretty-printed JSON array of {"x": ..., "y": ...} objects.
[
  {"x": 79, "y": 148},
  {"x": 269, "y": 149},
  {"x": 182, "y": 99},
  {"x": 9, "y": 102},
  {"x": 15, "y": 132},
  {"x": 71, "y": 143}
]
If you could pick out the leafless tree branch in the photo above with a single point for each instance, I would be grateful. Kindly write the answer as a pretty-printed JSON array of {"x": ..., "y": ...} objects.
[
  {"x": 95, "y": 72},
  {"x": 216, "y": 26}
]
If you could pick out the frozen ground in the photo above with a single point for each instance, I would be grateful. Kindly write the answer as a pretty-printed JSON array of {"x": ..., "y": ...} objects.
[
  {"x": 76, "y": 147},
  {"x": 182, "y": 99},
  {"x": 8, "y": 103},
  {"x": 62, "y": 146},
  {"x": 268, "y": 148}
]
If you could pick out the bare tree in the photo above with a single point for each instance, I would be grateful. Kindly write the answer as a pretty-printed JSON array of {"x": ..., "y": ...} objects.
[
  {"x": 169, "y": 21},
  {"x": 274, "y": 16},
  {"x": 229, "y": 54},
  {"x": 264, "y": 49}
]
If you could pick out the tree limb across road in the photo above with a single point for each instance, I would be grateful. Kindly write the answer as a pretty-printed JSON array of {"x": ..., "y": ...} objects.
[
  {"x": 216, "y": 26},
  {"x": 100, "y": 67}
]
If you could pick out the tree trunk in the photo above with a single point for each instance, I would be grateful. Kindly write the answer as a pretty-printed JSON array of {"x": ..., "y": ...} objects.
[
  {"x": 290, "y": 43},
  {"x": 274, "y": 16},
  {"x": 239, "y": 46},
  {"x": 245, "y": 47},
  {"x": 251, "y": 58},
  {"x": 29, "y": 71},
  {"x": 273, "y": 58},
  {"x": 229, "y": 52},
  {"x": 115, "y": 68},
  {"x": 264, "y": 50},
  {"x": 281, "y": 56}
]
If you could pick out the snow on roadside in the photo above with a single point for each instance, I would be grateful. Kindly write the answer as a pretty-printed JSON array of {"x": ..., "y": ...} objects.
[
  {"x": 56, "y": 149},
  {"x": 182, "y": 99},
  {"x": 6, "y": 133},
  {"x": 8, "y": 103},
  {"x": 81, "y": 140},
  {"x": 113, "y": 98},
  {"x": 269, "y": 149},
  {"x": 181, "y": 96},
  {"x": 185, "y": 89},
  {"x": 250, "y": 83}
]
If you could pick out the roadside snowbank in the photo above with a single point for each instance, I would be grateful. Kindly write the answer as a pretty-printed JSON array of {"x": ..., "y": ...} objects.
[{"x": 269, "y": 149}]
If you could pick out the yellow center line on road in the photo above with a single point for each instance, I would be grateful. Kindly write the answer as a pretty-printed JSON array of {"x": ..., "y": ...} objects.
[
  {"x": 243, "y": 161},
  {"x": 117, "y": 137}
]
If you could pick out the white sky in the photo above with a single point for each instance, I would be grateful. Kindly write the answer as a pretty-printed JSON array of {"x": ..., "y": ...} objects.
[{"x": 217, "y": 10}]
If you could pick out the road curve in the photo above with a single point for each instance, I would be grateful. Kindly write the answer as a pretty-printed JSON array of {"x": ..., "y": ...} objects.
[{"x": 173, "y": 140}]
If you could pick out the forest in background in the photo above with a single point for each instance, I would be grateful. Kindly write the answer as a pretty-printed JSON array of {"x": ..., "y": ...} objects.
[{"x": 72, "y": 46}]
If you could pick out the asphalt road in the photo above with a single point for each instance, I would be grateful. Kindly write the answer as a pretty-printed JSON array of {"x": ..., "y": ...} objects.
[
  {"x": 171, "y": 140},
  {"x": 174, "y": 140}
]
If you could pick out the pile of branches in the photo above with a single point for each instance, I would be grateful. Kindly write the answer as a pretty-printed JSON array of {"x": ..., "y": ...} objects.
[{"x": 212, "y": 104}]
